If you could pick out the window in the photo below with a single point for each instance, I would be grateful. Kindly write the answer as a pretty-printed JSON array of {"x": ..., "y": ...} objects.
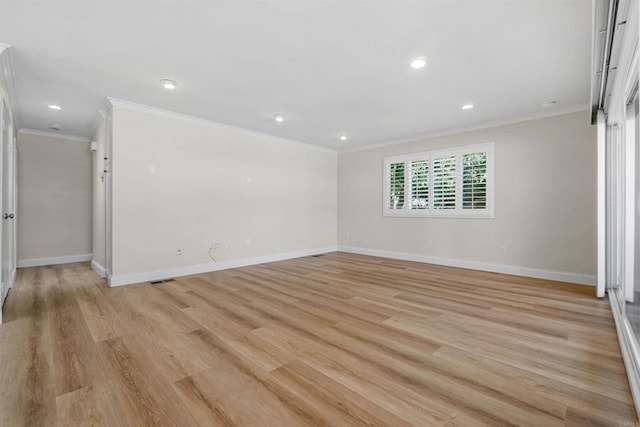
[{"x": 454, "y": 182}]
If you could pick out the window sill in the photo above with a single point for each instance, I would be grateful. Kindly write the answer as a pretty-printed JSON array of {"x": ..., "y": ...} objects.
[{"x": 404, "y": 214}]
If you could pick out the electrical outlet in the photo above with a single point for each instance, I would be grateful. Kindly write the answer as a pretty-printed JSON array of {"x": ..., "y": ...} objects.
[{"x": 502, "y": 250}]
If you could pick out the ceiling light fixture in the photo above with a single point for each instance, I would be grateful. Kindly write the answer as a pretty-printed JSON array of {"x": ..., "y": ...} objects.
[
  {"x": 278, "y": 117},
  {"x": 467, "y": 106},
  {"x": 55, "y": 107},
  {"x": 168, "y": 84},
  {"x": 419, "y": 62},
  {"x": 343, "y": 137}
]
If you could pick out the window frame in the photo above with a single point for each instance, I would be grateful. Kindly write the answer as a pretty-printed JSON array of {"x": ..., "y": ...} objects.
[{"x": 429, "y": 156}]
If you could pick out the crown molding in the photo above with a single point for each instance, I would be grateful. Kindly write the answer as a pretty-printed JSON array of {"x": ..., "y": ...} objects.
[
  {"x": 478, "y": 126},
  {"x": 114, "y": 102},
  {"x": 53, "y": 135},
  {"x": 100, "y": 116},
  {"x": 6, "y": 67}
]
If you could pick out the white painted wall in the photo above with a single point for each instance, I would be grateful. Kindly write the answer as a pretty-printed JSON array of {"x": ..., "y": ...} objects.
[
  {"x": 54, "y": 199},
  {"x": 545, "y": 202},
  {"x": 254, "y": 195}
]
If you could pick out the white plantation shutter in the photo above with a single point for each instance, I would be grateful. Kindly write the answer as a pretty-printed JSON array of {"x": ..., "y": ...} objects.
[
  {"x": 444, "y": 182},
  {"x": 419, "y": 184},
  {"x": 454, "y": 182},
  {"x": 395, "y": 195},
  {"x": 474, "y": 181}
]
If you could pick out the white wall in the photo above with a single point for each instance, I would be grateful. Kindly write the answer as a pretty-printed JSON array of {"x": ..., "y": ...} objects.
[
  {"x": 545, "y": 203},
  {"x": 54, "y": 199},
  {"x": 252, "y": 194}
]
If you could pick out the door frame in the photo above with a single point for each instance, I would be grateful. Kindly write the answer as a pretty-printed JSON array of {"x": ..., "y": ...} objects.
[{"x": 6, "y": 119}]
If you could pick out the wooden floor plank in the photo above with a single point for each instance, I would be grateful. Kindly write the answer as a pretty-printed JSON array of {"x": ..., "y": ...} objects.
[
  {"x": 27, "y": 380},
  {"x": 103, "y": 321},
  {"x": 172, "y": 357},
  {"x": 87, "y": 406},
  {"x": 232, "y": 376},
  {"x": 578, "y": 398},
  {"x": 338, "y": 339},
  {"x": 73, "y": 351},
  {"x": 147, "y": 398},
  {"x": 347, "y": 371},
  {"x": 329, "y": 400}
]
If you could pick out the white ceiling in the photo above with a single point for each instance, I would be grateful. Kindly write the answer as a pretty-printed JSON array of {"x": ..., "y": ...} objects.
[{"x": 329, "y": 66}]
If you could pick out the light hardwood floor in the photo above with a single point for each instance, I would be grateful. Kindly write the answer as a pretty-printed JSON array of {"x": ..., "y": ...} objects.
[{"x": 337, "y": 339}]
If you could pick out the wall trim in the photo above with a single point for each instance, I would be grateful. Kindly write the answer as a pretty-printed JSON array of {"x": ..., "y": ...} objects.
[
  {"x": 37, "y": 262},
  {"x": 478, "y": 126},
  {"x": 54, "y": 135},
  {"x": 100, "y": 270},
  {"x": 98, "y": 119},
  {"x": 128, "y": 279},
  {"x": 561, "y": 276},
  {"x": 210, "y": 123}
]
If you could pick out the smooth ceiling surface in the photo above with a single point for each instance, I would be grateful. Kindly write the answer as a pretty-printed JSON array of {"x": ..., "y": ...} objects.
[{"x": 329, "y": 66}]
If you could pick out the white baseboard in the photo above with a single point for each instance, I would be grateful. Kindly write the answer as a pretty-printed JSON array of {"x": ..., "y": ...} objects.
[
  {"x": 37, "y": 262},
  {"x": 100, "y": 270},
  {"x": 561, "y": 276},
  {"x": 127, "y": 279}
]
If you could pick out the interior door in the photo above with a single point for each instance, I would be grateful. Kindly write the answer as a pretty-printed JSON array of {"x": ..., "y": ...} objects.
[
  {"x": 8, "y": 215},
  {"x": 4, "y": 136}
]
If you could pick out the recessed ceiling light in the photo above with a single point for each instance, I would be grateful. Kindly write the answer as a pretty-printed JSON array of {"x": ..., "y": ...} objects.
[
  {"x": 549, "y": 104},
  {"x": 419, "y": 62},
  {"x": 55, "y": 107},
  {"x": 467, "y": 106},
  {"x": 168, "y": 84},
  {"x": 343, "y": 137},
  {"x": 278, "y": 117}
]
